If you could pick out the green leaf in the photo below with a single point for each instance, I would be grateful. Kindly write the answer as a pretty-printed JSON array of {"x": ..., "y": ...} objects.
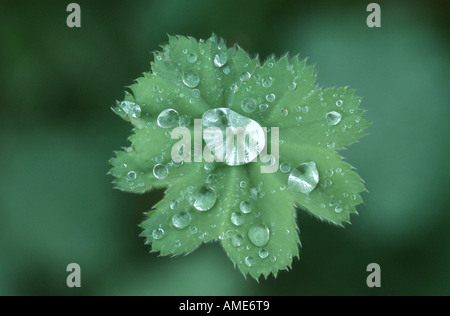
[{"x": 251, "y": 213}]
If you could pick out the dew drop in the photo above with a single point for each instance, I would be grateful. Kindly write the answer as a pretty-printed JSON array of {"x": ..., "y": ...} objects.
[
  {"x": 263, "y": 107},
  {"x": 204, "y": 199},
  {"x": 270, "y": 97},
  {"x": 168, "y": 118},
  {"x": 226, "y": 70},
  {"x": 192, "y": 58},
  {"x": 160, "y": 171},
  {"x": 259, "y": 235},
  {"x": 224, "y": 118},
  {"x": 193, "y": 230},
  {"x": 339, "y": 103},
  {"x": 195, "y": 93},
  {"x": 263, "y": 254},
  {"x": 285, "y": 167},
  {"x": 338, "y": 209},
  {"x": 131, "y": 175},
  {"x": 353, "y": 197},
  {"x": 249, "y": 261},
  {"x": 333, "y": 118},
  {"x": 245, "y": 207},
  {"x": 220, "y": 59},
  {"x": 158, "y": 233},
  {"x": 236, "y": 240},
  {"x": 267, "y": 82},
  {"x": 304, "y": 178},
  {"x": 292, "y": 86},
  {"x": 131, "y": 109},
  {"x": 190, "y": 79},
  {"x": 181, "y": 220},
  {"x": 246, "y": 76},
  {"x": 173, "y": 204},
  {"x": 248, "y": 105},
  {"x": 237, "y": 218}
]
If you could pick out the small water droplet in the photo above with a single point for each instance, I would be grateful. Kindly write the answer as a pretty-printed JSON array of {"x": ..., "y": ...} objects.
[
  {"x": 339, "y": 103},
  {"x": 160, "y": 171},
  {"x": 237, "y": 218},
  {"x": 248, "y": 105},
  {"x": 211, "y": 178},
  {"x": 131, "y": 175},
  {"x": 243, "y": 184},
  {"x": 195, "y": 93},
  {"x": 204, "y": 199},
  {"x": 292, "y": 86},
  {"x": 267, "y": 82},
  {"x": 330, "y": 172},
  {"x": 246, "y": 76},
  {"x": 285, "y": 167},
  {"x": 333, "y": 118},
  {"x": 245, "y": 207},
  {"x": 263, "y": 107},
  {"x": 226, "y": 70},
  {"x": 193, "y": 230},
  {"x": 270, "y": 97},
  {"x": 168, "y": 118},
  {"x": 190, "y": 79},
  {"x": 259, "y": 235},
  {"x": 220, "y": 59},
  {"x": 173, "y": 204},
  {"x": 353, "y": 197},
  {"x": 263, "y": 254},
  {"x": 158, "y": 233},
  {"x": 192, "y": 58},
  {"x": 304, "y": 178},
  {"x": 338, "y": 209},
  {"x": 249, "y": 261},
  {"x": 236, "y": 240},
  {"x": 181, "y": 220}
]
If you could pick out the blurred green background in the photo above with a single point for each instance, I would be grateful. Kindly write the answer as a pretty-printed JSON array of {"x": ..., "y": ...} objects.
[{"x": 57, "y": 204}]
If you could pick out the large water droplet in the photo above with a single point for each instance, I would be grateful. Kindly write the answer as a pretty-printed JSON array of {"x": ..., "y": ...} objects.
[
  {"x": 259, "y": 235},
  {"x": 190, "y": 79},
  {"x": 304, "y": 178},
  {"x": 248, "y": 105},
  {"x": 245, "y": 207},
  {"x": 181, "y": 220},
  {"x": 220, "y": 59},
  {"x": 168, "y": 118},
  {"x": 160, "y": 171},
  {"x": 158, "y": 233},
  {"x": 204, "y": 199},
  {"x": 237, "y": 218},
  {"x": 241, "y": 153},
  {"x": 333, "y": 118},
  {"x": 131, "y": 108}
]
